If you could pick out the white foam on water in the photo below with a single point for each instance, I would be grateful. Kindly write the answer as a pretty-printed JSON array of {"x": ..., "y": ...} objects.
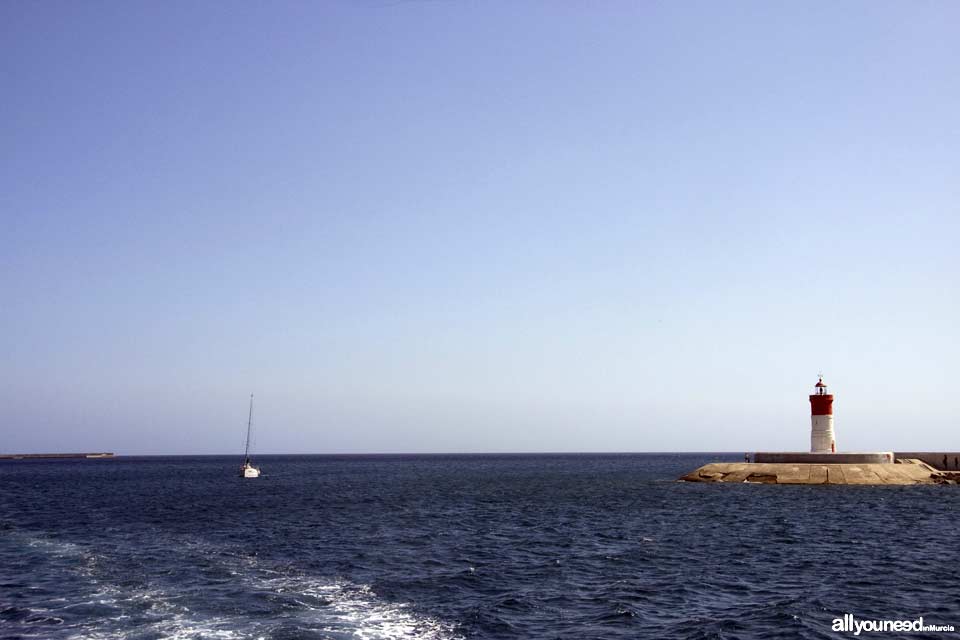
[
  {"x": 174, "y": 628},
  {"x": 344, "y": 610},
  {"x": 336, "y": 607},
  {"x": 165, "y": 618},
  {"x": 349, "y": 610},
  {"x": 174, "y": 621},
  {"x": 84, "y": 560},
  {"x": 54, "y": 548},
  {"x": 358, "y": 611}
]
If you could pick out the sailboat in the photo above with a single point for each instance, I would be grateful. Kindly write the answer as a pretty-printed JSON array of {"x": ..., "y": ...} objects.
[{"x": 248, "y": 470}]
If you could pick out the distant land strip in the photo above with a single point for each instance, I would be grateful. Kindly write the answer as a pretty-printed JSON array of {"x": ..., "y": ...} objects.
[{"x": 25, "y": 456}]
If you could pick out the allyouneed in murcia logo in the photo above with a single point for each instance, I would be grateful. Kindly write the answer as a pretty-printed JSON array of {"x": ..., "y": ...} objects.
[{"x": 850, "y": 623}]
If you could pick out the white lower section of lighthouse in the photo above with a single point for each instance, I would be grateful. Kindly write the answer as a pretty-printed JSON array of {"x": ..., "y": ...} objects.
[{"x": 822, "y": 439}]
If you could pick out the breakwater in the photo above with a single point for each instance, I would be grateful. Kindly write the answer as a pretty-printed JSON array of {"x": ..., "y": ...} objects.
[
  {"x": 942, "y": 460},
  {"x": 903, "y": 472},
  {"x": 32, "y": 456},
  {"x": 778, "y": 457}
]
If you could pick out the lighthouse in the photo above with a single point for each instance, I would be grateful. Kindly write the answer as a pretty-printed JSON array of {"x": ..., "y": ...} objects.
[
  {"x": 823, "y": 451},
  {"x": 822, "y": 439}
]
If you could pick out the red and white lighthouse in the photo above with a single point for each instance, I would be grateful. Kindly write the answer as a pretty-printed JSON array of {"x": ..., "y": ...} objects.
[{"x": 822, "y": 439}]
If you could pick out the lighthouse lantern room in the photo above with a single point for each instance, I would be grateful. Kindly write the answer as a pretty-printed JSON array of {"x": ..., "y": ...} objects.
[{"x": 822, "y": 439}]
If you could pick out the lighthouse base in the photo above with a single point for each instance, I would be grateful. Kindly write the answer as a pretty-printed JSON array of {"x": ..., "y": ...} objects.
[{"x": 779, "y": 457}]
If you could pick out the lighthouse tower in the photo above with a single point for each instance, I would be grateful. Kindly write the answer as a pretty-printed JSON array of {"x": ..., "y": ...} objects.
[{"x": 822, "y": 439}]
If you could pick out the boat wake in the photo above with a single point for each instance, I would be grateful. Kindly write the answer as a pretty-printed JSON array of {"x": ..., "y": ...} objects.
[{"x": 225, "y": 596}]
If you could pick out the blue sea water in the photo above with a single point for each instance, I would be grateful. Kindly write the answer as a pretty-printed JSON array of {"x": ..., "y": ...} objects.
[{"x": 472, "y": 546}]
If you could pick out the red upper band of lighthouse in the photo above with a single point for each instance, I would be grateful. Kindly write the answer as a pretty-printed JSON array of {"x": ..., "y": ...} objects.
[{"x": 821, "y": 402}]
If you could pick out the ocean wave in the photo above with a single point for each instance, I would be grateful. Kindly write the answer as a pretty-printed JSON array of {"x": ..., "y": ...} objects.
[
  {"x": 489, "y": 548},
  {"x": 283, "y": 602}
]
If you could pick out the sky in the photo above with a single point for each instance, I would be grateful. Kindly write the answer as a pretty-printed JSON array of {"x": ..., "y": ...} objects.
[{"x": 452, "y": 226}]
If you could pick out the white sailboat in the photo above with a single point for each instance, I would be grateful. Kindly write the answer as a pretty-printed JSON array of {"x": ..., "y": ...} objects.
[{"x": 248, "y": 470}]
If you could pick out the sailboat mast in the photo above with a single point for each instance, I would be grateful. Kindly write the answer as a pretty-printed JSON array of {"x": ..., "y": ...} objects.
[{"x": 246, "y": 452}]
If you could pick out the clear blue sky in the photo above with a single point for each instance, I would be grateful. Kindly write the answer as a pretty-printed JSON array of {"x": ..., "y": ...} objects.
[{"x": 478, "y": 226}]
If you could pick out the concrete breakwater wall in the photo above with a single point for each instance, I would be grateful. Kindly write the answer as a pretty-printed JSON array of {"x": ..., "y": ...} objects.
[
  {"x": 34, "y": 456},
  {"x": 903, "y": 472},
  {"x": 942, "y": 460},
  {"x": 779, "y": 457}
]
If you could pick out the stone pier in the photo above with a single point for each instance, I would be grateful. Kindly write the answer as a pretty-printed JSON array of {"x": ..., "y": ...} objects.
[{"x": 903, "y": 472}]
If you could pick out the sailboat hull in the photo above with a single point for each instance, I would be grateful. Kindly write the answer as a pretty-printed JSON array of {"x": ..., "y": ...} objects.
[{"x": 249, "y": 471}]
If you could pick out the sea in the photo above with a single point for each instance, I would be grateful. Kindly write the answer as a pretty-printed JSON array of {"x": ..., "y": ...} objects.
[{"x": 461, "y": 546}]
